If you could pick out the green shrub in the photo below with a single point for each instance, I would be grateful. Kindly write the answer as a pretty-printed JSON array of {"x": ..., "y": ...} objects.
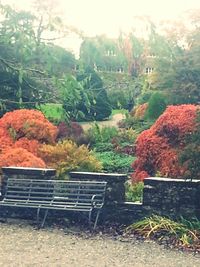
[
  {"x": 101, "y": 135},
  {"x": 53, "y": 112},
  {"x": 127, "y": 123},
  {"x": 122, "y": 142},
  {"x": 143, "y": 98},
  {"x": 114, "y": 162},
  {"x": 125, "y": 138},
  {"x": 134, "y": 192},
  {"x": 103, "y": 147},
  {"x": 138, "y": 125},
  {"x": 156, "y": 106},
  {"x": 118, "y": 99},
  {"x": 100, "y": 107},
  {"x": 193, "y": 224},
  {"x": 127, "y": 135}
]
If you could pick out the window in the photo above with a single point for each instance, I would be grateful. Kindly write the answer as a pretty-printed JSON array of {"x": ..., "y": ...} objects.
[{"x": 149, "y": 70}]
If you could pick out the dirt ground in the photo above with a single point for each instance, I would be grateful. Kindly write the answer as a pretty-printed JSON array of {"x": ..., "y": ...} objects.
[{"x": 22, "y": 245}]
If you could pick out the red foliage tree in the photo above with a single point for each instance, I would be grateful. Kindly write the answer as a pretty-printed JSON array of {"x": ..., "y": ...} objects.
[
  {"x": 176, "y": 122},
  {"x": 30, "y": 145},
  {"x": 21, "y": 134},
  {"x": 5, "y": 140},
  {"x": 28, "y": 123},
  {"x": 157, "y": 149},
  {"x": 20, "y": 157}
]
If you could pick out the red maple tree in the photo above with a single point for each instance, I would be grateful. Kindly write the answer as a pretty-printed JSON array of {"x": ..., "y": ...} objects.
[
  {"x": 22, "y": 132},
  {"x": 157, "y": 149}
]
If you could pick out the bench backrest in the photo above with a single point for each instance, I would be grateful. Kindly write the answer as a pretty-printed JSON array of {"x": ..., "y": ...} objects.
[{"x": 55, "y": 191}]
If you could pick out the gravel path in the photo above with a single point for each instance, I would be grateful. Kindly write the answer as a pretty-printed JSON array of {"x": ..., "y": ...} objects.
[
  {"x": 109, "y": 123},
  {"x": 21, "y": 245}
]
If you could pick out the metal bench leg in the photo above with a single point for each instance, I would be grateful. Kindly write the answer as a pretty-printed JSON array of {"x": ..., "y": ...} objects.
[
  {"x": 44, "y": 218},
  {"x": 96, "y": 220},
  {"x": 3, "y": 215},
  {"x": 38, "y": 217},
  {"x": 90, "y": 218}
]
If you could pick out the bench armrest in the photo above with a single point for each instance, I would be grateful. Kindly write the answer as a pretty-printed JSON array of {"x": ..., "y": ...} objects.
[
  {"x": 94, "y": 204},
  {"x": 93, "y": 201}
]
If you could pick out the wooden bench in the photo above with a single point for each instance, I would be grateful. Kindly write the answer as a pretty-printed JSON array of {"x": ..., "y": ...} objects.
[{"x": 80, "y": 196}]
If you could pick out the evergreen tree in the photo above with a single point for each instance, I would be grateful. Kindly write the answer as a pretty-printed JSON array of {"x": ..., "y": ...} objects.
[{"x": 100, "y": 105}]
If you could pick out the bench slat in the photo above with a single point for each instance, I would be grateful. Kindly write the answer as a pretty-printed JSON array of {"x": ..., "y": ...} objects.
[
  {"x": 75, "y": 199},
  {"x": 56, "y": 189},
  {"x": 50, "y": 190},
  {"x": 56, "y": 203},
  {"x": 47, "y": 206},
  {"x": 49, "y": 182},
  {"x": 47, "y": 189}
]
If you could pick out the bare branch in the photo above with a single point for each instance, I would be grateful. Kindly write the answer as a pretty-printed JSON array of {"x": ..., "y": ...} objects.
[
  {"x": 9, "y": 65},
  {"x": 53, "y": 39},
  {"x": 28, "y": 102}
]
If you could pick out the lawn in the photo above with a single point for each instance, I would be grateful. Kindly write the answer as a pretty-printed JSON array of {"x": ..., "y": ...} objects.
[
  {"x": 52, "y": 111},
  {"x": 119, "y": 111}
]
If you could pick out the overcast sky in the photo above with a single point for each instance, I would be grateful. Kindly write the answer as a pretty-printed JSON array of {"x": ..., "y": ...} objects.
[{"x": 108, "y": 17}]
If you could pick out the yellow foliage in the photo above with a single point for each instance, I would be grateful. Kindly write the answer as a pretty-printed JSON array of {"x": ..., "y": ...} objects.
[
  {"x": 139, "y": 111},
  {"x": 66, "y": 156}
]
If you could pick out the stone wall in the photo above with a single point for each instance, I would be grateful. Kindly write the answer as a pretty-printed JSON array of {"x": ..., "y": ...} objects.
[
  {"x": 36, "y": 173},
  {"x": 172, "y": 197}
]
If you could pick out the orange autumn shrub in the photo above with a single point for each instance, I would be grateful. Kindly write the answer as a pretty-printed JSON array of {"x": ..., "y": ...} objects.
[
  {"x": 5, "y": 140},
  {"x": 139, "y": 176},
  {"x": 21, "y": 134},
  {"x": 139, "y": 111},
  {"x": 30, "y": 145},
  {"x": 158, "y": 148},
  {"x": 176, "y": 122},
  {"x": 31, "y": 124},
  {"x": 20, "y": 157},
  {"x": 169, "y": 165}
]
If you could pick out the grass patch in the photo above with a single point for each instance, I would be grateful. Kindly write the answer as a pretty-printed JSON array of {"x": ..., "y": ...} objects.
[
  {"x": 182, "y": 234},
  {"x": 118, "y": 111},
  {"x": 53, "y": 112}
]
